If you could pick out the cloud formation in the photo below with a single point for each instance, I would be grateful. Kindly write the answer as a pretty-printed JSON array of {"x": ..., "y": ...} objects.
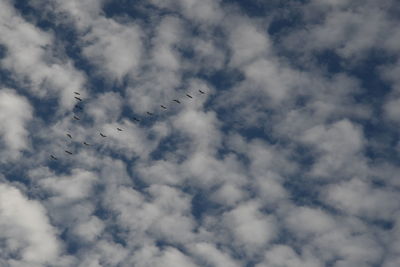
[
  {"x": 15, "y": 114},
  {"x": 205, "y": 133},
  {"x": 28, "y": 236}
]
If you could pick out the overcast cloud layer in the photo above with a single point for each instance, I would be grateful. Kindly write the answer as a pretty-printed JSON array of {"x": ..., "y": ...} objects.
[{"x": 290, "y": 158}]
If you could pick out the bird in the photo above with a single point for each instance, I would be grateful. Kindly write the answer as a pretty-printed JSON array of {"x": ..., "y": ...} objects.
[
  {"x": 163, "y": 107},
  {"x": 151, "y": 114},
  {"x": 189, "y": 96},
  {"x": 135, "y": 119},
  {"x": 102, "y": 135},
  {"x": 76, "y": 118},
  {"x": 78, "y": 98},
  {"x": 201, "y": 92},
  {"x": 66, "y": 151},
  {"x": 70, "y": 136},
  {"x": 78, "y": 107},
  {"x": 77, "y": 93},
  {"x": 119, "y": 129},
  {"x": 53, "y": 158},
  {"x": 177, "y": 101},
  {"x": 86, "y": 144}
]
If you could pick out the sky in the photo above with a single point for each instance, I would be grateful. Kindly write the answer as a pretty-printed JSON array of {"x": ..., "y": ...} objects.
[{"x": 290, "y": 158}]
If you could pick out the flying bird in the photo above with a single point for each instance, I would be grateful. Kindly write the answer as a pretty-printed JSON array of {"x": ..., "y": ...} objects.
[
  {"x": 53, "y": 158},
  {"x": 77, "y": 93},
  {"x": 78, "y": 98},
  {"x": 177, "y": 101},
  {"x": 78, "y": 107},
  {"x": 201, "y": 92},
  {"x": 119, "y": 129},
  {"x": 151, "y": 114},
  {"x": 86, "y": 144},
  {"x": 135, "y": 119},
  {"x": 76, "y": 118},
  {"x": 70, "y": 136},
  {"x": 102, "y": 135},
  {"x": 66, "y": 151},
  {"x": 189, "y": 96},
  {"x": 163, "y": 107}
]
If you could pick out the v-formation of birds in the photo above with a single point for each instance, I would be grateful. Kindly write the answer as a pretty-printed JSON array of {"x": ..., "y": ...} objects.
[{"x": 75, "y": 117}]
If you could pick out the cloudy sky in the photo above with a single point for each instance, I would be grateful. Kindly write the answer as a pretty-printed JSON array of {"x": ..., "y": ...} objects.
[{"x": 290, "y": 158}]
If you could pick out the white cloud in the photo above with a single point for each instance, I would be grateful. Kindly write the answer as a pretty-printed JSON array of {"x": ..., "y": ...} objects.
[
  {"x": 348, "y": 32},
  {"x": 113, "y": 48},
  {"x": 105, "y": 107},
  {"x": 360, "y": 249},
  {"x": 173, "y": 257},
  {"x": 350, "y": 28},
  {"x": 362, "y": 199},
  {"x": 342, "y": 137},
  {"x": 69, "y": 188},
  {"x": 168, "y": 257},
  {"x": 281, "y": 255},
  {"x": 208, "y": 182},
  {"x": 205, "y": 171},
  {"x": 163, "y": 66},
  {"x": 160, "y": 172},
  {"x": 173, "y": 222},
  {"x": 169, "y": 32},
  {"x": 392, "y": 109},
  {"x": 204, "y": 12},
  {"x": 247, "y": 42},
  {"x": 81, "y": 14},
  {"x": 208, "y": 54},
  {"x": 15, "y": 114},
  {"x": 31, "y": 57},
  {"x": 339, "y": 148},
  {"x": 228, "y": 195},
  {"x": 308, "y": 222},
  {"x": 163, "y": 215},
  {"x": 202, "y": 129},
  {"x": 251, "y": 229},
  {"x": 208, "y": 254},
  {"x": 90, "y": 229},
  {"x": 133, "y": 140},
  {"x": 330, "y": 237},
  {"x": 25, "y": 227},
  {"x": 105, "y": 253}
]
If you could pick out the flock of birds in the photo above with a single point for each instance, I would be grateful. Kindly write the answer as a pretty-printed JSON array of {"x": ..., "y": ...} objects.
[{"x": 77, "y": 96}]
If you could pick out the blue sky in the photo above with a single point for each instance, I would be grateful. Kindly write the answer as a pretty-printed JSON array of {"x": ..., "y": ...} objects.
[{"x": 290, "y": 158}]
